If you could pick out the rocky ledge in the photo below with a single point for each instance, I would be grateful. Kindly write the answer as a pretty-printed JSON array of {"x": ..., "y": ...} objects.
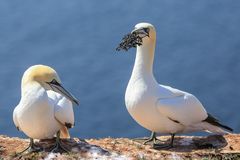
[{"x": 185, "y": 147}]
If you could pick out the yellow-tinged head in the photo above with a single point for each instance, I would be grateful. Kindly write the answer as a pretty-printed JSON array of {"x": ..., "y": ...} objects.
[
  {"x": 41, "y": 74},
  {"x": 48, "y": 78}
]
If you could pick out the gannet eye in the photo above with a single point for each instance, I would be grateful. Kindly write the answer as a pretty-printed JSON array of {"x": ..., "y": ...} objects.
[
  {"x": 54, "y": 82},
  {"x": 146, "y": 30}
]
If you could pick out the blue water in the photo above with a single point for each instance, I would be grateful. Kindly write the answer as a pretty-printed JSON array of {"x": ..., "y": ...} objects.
[{"x": 198, "y": 50}]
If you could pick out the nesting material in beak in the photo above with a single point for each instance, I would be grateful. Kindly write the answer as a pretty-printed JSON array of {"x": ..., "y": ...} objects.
[
  {"x": 133, "y": 39},
  {"x": 130, "y": 40}
]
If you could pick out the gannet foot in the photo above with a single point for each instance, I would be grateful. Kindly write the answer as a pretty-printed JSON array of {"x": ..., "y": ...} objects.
[
  {"x": 152, "y": 138},
  {"x": 58, "y": 146},
  {"x": 165, "y": 146},
  {"x": 31, "y": 148}
]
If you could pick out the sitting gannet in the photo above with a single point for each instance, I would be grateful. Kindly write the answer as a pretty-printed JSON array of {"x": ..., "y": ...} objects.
[
  {"x": 45, "y": 108},
  {"x": 156, "y": 107}
]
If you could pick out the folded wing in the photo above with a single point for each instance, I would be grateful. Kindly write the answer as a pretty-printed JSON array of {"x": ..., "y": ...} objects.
[
  {"x": 63, "y": 111},
  {"x": 180, "y": 106}
]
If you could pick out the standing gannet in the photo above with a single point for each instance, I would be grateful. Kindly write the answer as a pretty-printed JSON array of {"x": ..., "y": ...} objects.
[
  {"x": 161, "y": 108},
  {"x": 45, "y": 108}
]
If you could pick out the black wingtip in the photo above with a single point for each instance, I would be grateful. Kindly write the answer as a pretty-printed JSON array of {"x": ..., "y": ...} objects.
[
  {"x": 68, "y": 125},
  {"x": 228, "y": 128},
  {"x": 212, "y": 120}
]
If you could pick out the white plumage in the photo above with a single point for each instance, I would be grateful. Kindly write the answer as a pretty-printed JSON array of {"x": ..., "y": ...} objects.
[
  {"x": 160, "y": 108},
  {"x": 42, "y": 111}
]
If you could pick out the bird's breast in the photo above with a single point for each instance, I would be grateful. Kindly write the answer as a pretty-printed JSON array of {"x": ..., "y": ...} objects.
[
  {"x": 36, "y": 114},
  {"x": 139, "y": 95}
]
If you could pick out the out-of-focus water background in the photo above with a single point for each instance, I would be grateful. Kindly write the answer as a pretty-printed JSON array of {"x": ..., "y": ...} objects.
[{"x": 198, "y": 50}]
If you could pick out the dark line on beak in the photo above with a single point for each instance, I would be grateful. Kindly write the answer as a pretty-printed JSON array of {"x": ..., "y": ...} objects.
[{"x": 60, "y": 89}]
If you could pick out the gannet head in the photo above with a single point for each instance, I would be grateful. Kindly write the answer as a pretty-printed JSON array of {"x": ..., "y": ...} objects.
[
  {"x": 48, "y": 78},
  {"x": 145, "y": 30},
  {"x": 143, "y": 34}
]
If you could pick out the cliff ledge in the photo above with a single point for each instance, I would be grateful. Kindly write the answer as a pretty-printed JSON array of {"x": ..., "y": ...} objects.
[{"x": 186, "y": 147}]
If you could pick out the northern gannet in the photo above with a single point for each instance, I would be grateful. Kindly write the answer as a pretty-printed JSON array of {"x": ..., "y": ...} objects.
[
  {"x": 45, "y": 108},
  {"x": 157, "y": 107}
]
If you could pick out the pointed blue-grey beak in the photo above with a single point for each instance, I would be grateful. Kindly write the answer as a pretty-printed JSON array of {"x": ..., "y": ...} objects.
[{"x": 60, "y": 89}]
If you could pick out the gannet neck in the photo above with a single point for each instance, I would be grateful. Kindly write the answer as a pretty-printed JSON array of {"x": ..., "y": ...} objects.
[
  {"x": 144, "y": 58},
  {"x": 29, "y": 86},
  {"x": 27, "y": 81}
]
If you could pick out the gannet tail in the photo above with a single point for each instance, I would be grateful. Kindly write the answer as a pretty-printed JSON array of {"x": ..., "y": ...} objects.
[
  {"x": 64, "y": 132},
  {"x": 213, "y": 125}
]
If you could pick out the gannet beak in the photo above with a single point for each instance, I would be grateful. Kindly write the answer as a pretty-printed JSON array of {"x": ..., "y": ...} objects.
[
  {"x": 133, "y": 39},
  {"x": 142, "y": 32},
  {"x": 133, "y": 31},
  {"x": 57, "y": 87}
]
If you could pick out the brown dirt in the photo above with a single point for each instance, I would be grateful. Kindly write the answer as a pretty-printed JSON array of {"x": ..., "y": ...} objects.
[{"x": 185, "y": 147}]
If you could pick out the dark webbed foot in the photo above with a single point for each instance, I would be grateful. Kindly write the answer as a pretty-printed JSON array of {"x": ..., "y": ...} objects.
[
  {"x": 152, "y": 138},
  {"x": 31, "y": 148},
  {"x": 58, "y": 146},
  {"x": 165, "y": 146}
]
